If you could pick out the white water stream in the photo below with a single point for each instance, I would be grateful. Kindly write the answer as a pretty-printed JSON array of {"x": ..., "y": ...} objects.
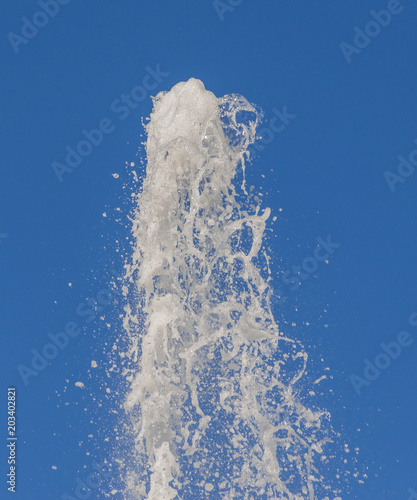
[{"x": 213, "y": 396}]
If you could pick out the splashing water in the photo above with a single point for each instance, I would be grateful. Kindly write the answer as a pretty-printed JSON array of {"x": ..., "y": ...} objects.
[{"x": 213, "y": 383}]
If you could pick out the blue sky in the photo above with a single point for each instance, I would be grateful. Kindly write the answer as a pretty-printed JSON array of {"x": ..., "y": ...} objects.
[{"x": 349, "y": 114}]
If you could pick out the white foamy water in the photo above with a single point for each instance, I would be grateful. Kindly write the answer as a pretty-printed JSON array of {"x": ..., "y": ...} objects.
[{"x": 213, "y": 398}]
